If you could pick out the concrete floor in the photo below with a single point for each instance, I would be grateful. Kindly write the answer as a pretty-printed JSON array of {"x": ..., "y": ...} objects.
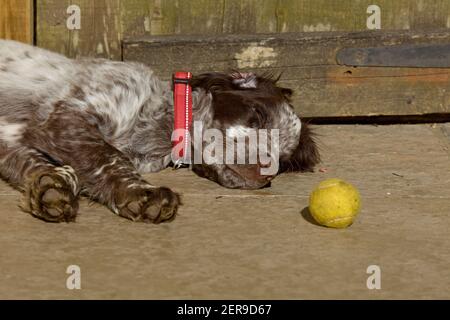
[{"x": 257, "y": 244}]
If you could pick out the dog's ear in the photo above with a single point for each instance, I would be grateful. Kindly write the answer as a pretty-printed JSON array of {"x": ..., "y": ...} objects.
[
  {"x": 287, "y": 93},
  {"x": 245, "y": 80},
  {"x": 306, "y": 156}
]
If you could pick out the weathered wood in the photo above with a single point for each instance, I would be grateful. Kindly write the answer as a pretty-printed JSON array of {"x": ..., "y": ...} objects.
[
  {"x": 412, "y": 55},
  {"x": 308, "y": 63},
  {"x": 16, "y": 20},
  {"x": 100, "y": 33},
  {"x": 51, "y": 30},
  {"x": 199, "y": 17},
  {"x": 351, "y": 15},
  {"x": 139, "y": 17},
  {"x": 429, "y": 14},
  {"x": 116, "y": 19}
]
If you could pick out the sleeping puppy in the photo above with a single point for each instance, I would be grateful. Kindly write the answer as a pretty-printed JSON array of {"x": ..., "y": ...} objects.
[{"x": 93, "y": 126}]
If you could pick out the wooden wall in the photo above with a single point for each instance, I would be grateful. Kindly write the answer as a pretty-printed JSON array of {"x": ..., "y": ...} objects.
[
  {"x": 104, "y": 23},
  {"x": 322, "y": 87},
  {"x": 307, "y": 62},
  {"x": 16, "y": 20}
]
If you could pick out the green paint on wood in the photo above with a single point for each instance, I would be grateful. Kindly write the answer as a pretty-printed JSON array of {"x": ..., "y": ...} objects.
[
  {"x": 106, "y": 22},
  {"x": 100, "y": 34},
  {"x": 51, "y": 30}
]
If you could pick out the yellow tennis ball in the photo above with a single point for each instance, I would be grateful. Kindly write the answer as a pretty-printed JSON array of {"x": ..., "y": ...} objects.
[{"x": 334, "y": 203}]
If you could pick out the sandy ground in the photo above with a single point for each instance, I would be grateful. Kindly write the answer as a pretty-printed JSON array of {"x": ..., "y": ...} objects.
[{"x": 257, "y": 244}]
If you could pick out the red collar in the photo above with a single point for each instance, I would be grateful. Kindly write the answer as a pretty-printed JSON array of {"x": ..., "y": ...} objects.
[{"x": 182, "y": 96}]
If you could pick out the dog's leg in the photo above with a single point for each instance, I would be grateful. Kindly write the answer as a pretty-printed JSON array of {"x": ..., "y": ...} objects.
[
  {"x": 106, "y": 174},
  {"x": 50, "y": 192}
]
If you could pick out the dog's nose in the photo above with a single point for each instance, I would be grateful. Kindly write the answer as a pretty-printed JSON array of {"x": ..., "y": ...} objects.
[
  {"x": 269, "y": 177},
  {"x": 265, "y": 165}
]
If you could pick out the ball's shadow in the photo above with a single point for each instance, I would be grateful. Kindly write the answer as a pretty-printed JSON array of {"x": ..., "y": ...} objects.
[{"x": 308, "y": 217}]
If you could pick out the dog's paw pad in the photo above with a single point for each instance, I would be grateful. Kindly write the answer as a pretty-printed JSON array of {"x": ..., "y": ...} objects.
[
  {"x": 153, "y": 205},
  {"x": 50, "y": 197}
]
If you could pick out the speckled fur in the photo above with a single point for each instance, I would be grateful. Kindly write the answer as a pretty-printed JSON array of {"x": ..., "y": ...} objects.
[{"x": 94, "y": 125}]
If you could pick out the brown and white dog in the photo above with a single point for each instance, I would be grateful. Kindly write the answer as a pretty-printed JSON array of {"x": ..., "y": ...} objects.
[{"x": 92, "y": 126}]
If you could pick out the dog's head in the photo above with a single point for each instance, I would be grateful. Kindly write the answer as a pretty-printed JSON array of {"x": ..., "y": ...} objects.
[{"x": 233, "y": 109}]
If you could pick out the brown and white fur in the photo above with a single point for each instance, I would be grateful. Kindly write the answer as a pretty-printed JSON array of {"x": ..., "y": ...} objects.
[{"x": 92, "y": 126}]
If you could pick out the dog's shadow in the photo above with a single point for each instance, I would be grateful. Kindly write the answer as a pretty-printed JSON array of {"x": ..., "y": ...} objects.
[{"x": 308, "y": 217}]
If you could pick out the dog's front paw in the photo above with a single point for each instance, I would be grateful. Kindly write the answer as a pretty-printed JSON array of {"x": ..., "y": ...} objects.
[
  {"x": 145, "y": 203},
  {"x": 52, "y": 195}
]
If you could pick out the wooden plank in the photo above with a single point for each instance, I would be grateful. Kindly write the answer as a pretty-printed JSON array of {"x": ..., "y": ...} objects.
[
  {"x": 351, "y": 15},
  {"x": 106, "y": 23},
  {"x": 240, "y": 16},
  {"x": 100, "y": 33},
  {"x": 138, "y": 17},
  {"x": 308, "y": 63},
  {"x": 199, "y": 17},
  {"x": 16, "y": 20},
  {"x": 429, "y": 14},
  {"x": 419, "y": 56},
  {"x": 51, "y": 30},
  {"x": 164, "y": 18}
]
